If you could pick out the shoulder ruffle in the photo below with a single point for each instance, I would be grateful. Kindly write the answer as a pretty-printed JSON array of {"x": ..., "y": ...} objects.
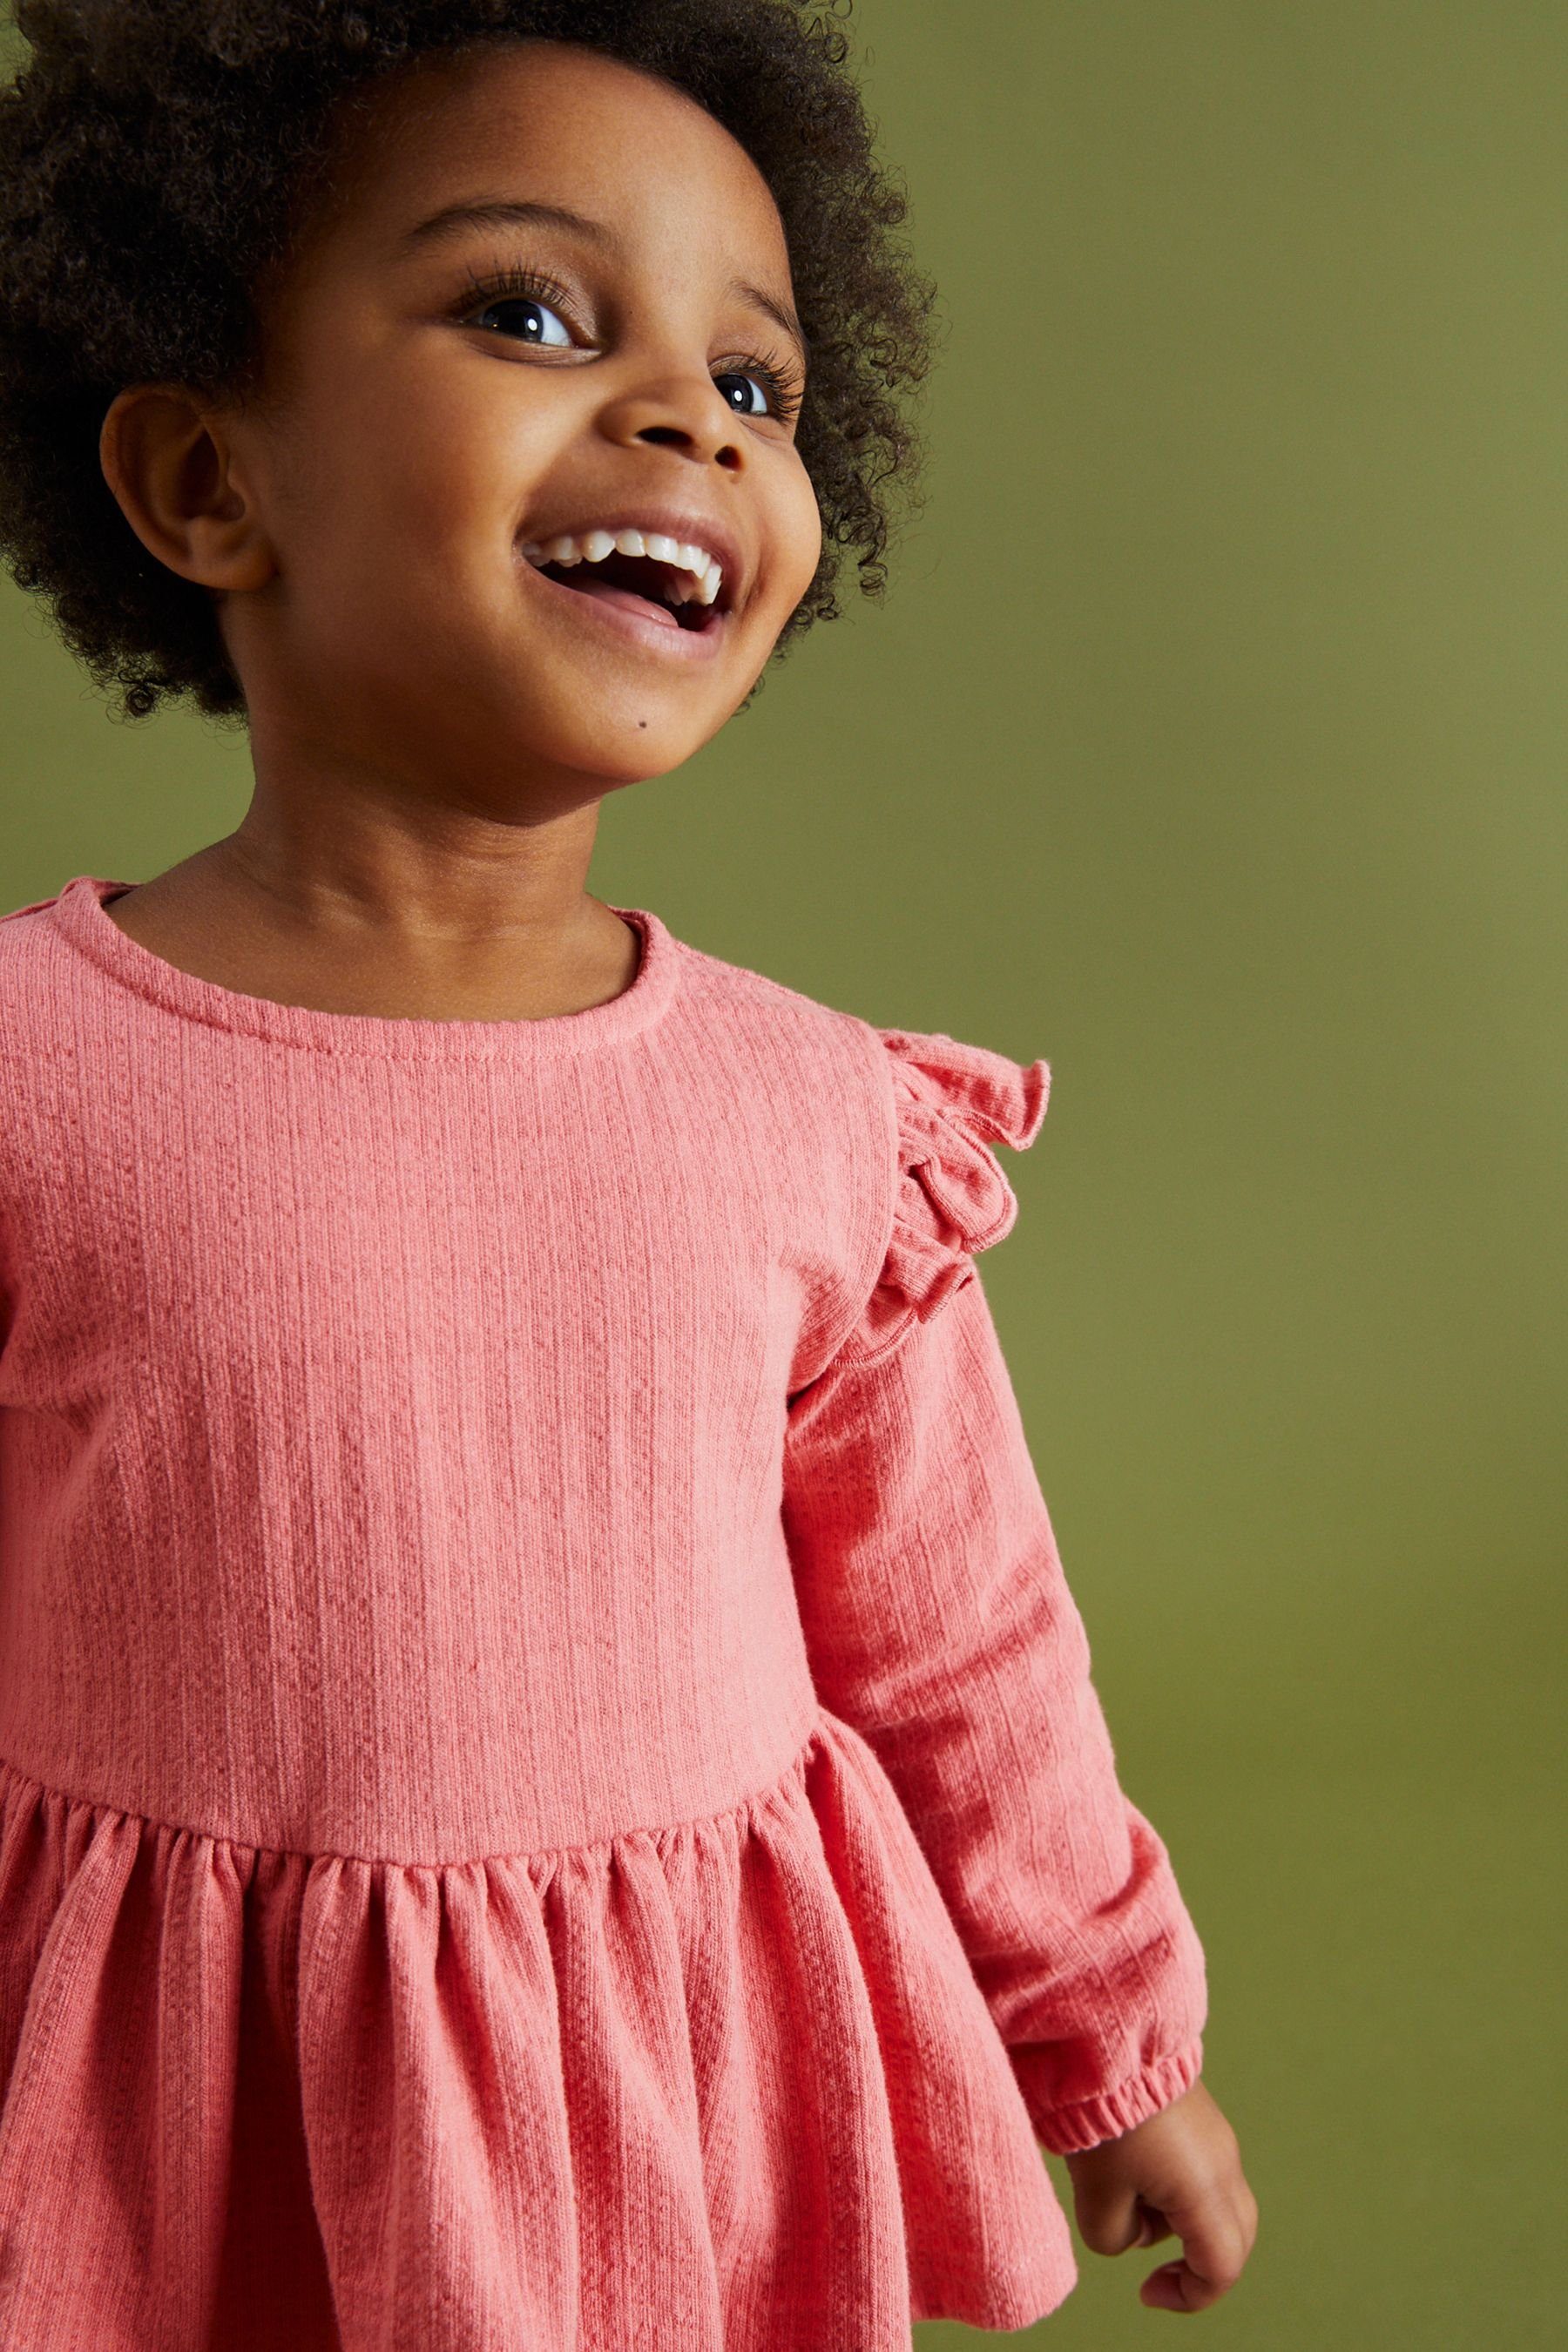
[{"x": 953, "y": 1102}]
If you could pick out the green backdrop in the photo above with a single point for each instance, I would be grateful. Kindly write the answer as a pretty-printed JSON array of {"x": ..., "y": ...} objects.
[{"x": 1211, "y": 744}]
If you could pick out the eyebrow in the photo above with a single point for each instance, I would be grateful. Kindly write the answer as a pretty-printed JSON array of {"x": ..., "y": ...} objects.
[
  {"x": 508, "y": 212},
  {"x": 516, "y": 212}
]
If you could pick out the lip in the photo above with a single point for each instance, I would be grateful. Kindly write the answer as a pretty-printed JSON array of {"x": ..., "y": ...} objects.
[
  {"x": 671, "y": 522},
  {"x": 655, "y": 637}
]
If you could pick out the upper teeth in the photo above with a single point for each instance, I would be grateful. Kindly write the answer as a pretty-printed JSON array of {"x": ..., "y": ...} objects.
[{"x": 702, "y": 570}]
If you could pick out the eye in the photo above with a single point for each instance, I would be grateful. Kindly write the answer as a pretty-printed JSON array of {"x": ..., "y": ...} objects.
[
  {"x": 747, "y": 395},
  {"x": 760, "y": 391},
  {"x": 529, "y": 296},
  {"x": 535, "y": 322}
]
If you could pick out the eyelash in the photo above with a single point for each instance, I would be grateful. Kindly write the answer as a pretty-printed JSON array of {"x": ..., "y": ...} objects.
[{"x": 781, "y": 375}]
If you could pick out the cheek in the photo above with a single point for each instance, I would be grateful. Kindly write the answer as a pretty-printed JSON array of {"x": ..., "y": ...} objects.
[
  {"x": 798, "y": 531},
  {"x": 417, "y": 454}
]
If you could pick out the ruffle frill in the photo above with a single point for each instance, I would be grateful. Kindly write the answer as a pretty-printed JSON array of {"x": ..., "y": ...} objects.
[{"x": 953, "y": 1102}]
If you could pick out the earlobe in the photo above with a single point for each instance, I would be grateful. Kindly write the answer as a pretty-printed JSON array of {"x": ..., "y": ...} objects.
[{"x": 168, "y": 464}]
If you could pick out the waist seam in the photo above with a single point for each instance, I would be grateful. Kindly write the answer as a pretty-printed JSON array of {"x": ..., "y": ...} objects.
[{"x": 51, "y": 1791}]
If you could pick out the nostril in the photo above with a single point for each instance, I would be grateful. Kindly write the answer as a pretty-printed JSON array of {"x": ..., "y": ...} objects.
[
  {"x": 728, "y": 457},
  {"x": 665, "y": 434}
]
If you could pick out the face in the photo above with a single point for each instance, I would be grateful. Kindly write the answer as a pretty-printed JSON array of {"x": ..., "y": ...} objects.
[{"x": 524, "y": 451}]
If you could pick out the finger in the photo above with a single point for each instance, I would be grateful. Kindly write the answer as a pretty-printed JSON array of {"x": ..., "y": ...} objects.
[
  {"x": 1173, "y": 2287},
  {"x": 1108, "y": 2215},
  {"x": 1215, "y": 2255},
  {"x": 1155, "y": 2225}
]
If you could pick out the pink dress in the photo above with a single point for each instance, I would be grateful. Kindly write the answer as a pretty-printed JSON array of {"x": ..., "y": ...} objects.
[{"x": 551, "y": 1795}]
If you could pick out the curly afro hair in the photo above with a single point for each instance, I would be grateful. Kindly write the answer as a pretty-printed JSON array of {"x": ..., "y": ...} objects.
[{"x": 157, "y": 155}]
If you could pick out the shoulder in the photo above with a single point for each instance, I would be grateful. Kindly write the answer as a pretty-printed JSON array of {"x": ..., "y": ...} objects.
[
  {"x": 927, "y": 1084},
  {"x": 27, "y": 944},
  {"x": 789, "y": 1039},
  {"x": 891, "y": 1133},
  {"x": 806, "y": 1082},
  {"x": 19, "y": 925}
]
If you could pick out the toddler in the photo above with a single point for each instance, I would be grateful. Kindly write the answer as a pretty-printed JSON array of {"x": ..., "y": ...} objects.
[{"x": 550, "y": 1793}]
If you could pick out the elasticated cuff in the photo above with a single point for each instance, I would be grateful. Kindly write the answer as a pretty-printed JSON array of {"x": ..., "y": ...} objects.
[{"x": 1064, "y": 2130}]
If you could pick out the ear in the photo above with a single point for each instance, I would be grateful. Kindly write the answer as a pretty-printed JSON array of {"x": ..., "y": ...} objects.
[{"x": 170, "y": 462}]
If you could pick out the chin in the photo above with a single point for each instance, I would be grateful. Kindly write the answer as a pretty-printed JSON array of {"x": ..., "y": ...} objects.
[
  {"x": 620, "y": 752},
  {"x": 629, "y": 736}
]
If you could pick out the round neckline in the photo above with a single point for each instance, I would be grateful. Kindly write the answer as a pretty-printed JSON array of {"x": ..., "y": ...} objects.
[{"x": 80, "y": 914}]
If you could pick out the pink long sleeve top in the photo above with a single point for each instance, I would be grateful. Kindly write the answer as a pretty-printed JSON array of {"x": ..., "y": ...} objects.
[{"x": 550, "y": 1793}]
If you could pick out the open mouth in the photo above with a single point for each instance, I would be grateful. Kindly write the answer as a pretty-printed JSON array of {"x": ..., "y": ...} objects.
[{"x": 675, "y": 585}]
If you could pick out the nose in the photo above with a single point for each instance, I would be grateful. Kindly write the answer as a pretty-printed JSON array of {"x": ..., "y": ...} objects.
[{"x": 687, "y": 413}]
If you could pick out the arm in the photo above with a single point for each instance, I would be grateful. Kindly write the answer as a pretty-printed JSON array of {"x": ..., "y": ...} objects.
[{"x": 940, "y": 1626}]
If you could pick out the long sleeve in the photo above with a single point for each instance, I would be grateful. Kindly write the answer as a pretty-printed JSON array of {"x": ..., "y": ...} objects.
[{"x": 939, "y": 1625}]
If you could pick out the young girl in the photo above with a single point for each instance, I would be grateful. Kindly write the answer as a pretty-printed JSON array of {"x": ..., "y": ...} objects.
[{"x": 550, "y": 1789}]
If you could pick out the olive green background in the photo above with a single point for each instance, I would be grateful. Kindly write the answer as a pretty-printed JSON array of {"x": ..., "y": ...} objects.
[{"x": 1211, "y": 744}]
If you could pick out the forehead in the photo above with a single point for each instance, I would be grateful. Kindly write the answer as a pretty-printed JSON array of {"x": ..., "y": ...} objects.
[{"x": 552, "y": 122}]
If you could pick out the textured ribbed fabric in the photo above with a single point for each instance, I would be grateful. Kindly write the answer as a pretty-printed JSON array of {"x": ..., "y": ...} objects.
[{"x": 550, "y": 1794}]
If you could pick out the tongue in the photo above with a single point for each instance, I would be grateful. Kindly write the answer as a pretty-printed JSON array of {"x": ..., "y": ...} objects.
[{"x": 626, "y": 598}]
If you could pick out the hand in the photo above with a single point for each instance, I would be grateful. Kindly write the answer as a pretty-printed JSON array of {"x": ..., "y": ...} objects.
[{"x": 1177, "y": 2172}]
